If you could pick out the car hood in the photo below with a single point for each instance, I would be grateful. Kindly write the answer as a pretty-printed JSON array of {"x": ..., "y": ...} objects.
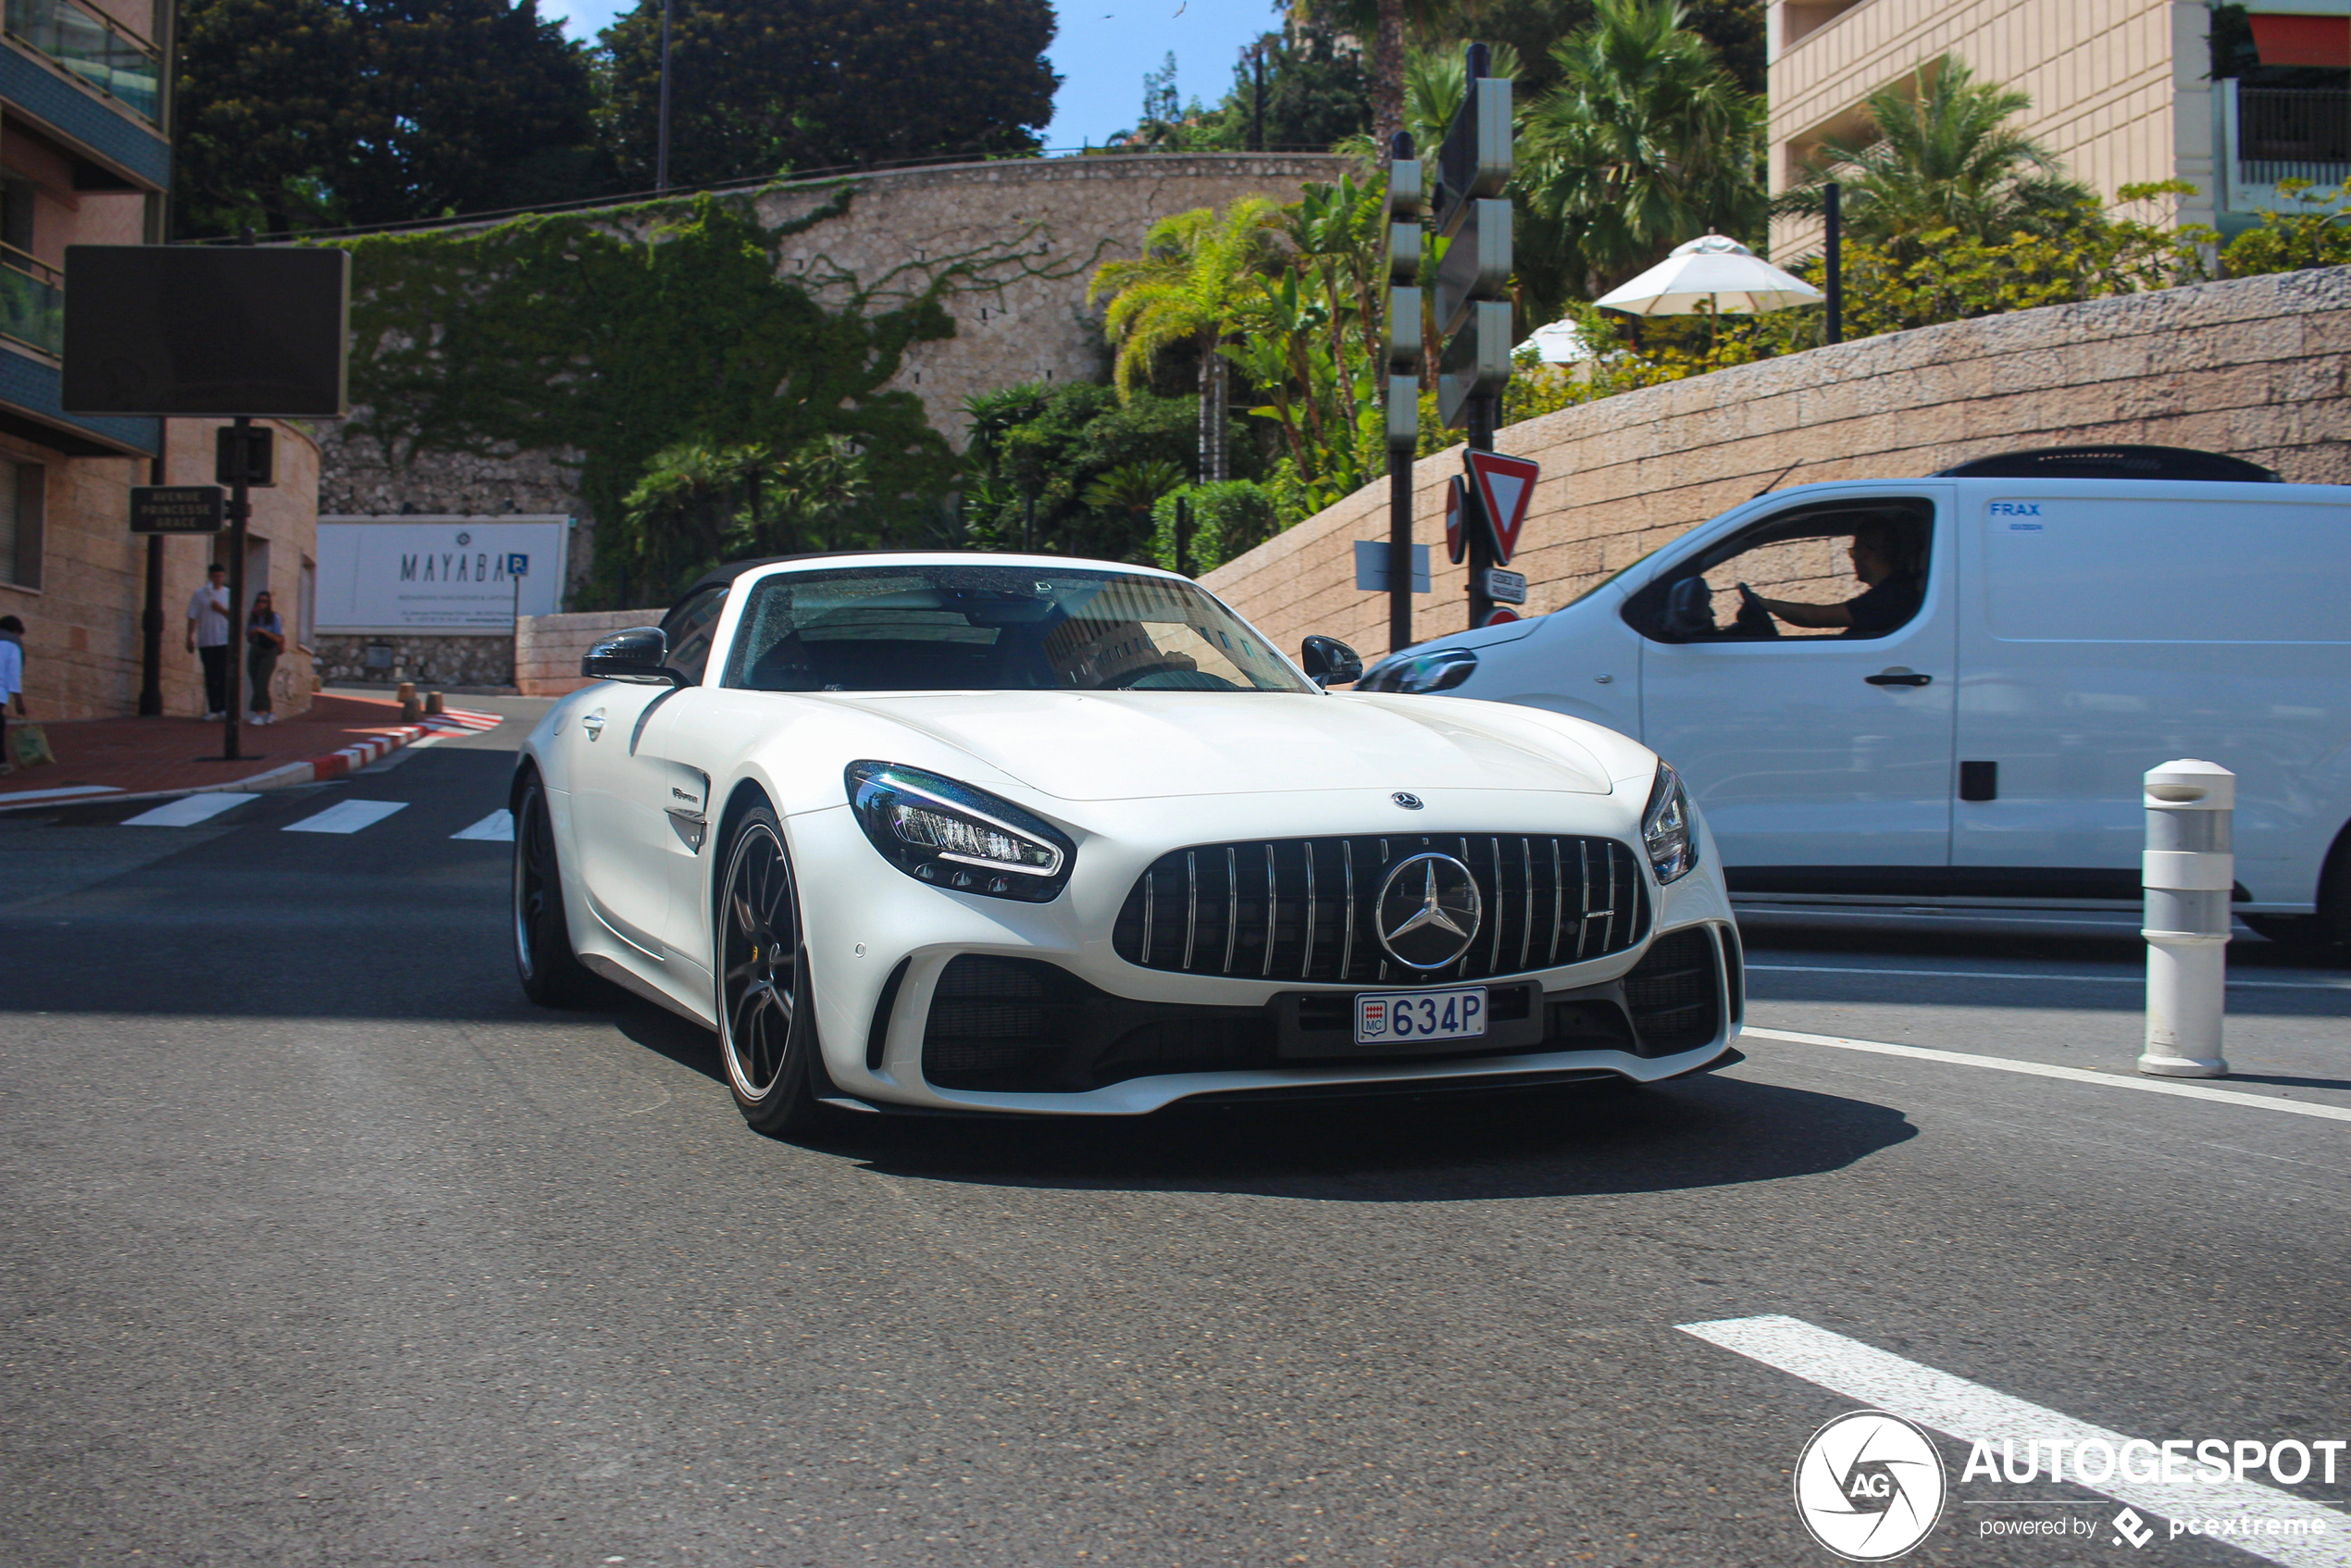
[{"x": 1130, "y": 745}]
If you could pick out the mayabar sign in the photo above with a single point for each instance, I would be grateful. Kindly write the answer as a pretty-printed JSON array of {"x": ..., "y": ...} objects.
[{"x": 438, "y": 573}]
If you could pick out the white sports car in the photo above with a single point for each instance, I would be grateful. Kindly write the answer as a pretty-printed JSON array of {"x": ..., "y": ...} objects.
[{"x": 1001, "y": 833}]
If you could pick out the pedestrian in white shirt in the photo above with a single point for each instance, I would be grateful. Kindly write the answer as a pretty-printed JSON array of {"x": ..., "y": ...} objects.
[
  {"x": 12, "y": 680},
  {"x": 208, "y": 637}
]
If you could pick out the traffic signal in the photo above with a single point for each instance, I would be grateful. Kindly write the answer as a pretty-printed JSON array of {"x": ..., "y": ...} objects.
[
  {"x": 1406, "y": 203},
  {"x": 1473, "y": 219}
]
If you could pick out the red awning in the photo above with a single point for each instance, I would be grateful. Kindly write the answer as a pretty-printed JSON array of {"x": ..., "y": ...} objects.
[{"x": 2303, "y": 41}]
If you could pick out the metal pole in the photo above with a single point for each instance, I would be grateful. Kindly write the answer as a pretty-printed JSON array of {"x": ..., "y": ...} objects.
[
  {"x": 1028, "y": 529},
  {"x": 1183, "y": 529},
  {"x": 240, "y": 509},
  {"x": 1400, "y": 460},
  {"x": 661, "y": 148},
  {"x": 2189, "y": 873},
  {"x": 1479, "y": 556},
  {"x": 1833, "y": 275},
  {"x": 151, "y": 616}
]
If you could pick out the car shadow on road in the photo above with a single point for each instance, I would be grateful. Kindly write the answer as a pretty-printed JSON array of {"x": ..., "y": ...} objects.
[{"x": 1711, "y": 1131}]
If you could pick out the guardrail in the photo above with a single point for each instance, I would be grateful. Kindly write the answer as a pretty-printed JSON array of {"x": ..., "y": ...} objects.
[
  {"x": 32, "y": 301},
  {"x": 95, "y": 48}
]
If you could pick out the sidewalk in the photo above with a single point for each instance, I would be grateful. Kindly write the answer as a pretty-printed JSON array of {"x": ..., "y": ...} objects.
[{"x": 131, "y": 757}]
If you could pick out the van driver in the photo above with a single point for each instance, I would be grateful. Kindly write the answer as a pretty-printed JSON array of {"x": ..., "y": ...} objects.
[{"x": 1890, "y": 594}]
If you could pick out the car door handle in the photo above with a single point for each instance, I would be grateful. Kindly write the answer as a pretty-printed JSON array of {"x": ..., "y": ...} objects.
[
  {"x": 594, "y": 723},
  {"x": 1899, "y": 677}
]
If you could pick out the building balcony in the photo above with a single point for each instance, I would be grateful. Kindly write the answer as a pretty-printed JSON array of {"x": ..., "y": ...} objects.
[
  {"x": 93, "y": 49},
  {"x": 2275, "y": 134},
  {"x": 32, "y": 302}
]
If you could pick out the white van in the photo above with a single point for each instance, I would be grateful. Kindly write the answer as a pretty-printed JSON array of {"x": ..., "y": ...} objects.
[{"x": 1970, "y": 718}]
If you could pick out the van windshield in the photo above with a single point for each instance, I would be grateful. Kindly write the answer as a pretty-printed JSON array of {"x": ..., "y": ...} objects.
[{"x": 958, "y": 628}]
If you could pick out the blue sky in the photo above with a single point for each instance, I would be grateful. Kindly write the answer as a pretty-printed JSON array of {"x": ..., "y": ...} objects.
[{"x": 1101, "y": 52}]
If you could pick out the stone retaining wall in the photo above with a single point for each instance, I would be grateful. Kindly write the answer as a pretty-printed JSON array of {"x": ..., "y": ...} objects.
[
  {"x": 430, "y": 659},
  {"x": 547, "y": 649},
  {"x": 2254, "y": 367}
]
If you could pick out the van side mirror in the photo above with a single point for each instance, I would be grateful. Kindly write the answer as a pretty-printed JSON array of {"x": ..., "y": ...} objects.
[
  {"x": 640, "y": 655},
  {"x": 1329, "y": 662}
]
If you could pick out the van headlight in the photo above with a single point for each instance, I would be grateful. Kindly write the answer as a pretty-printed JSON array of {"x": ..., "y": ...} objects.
[
  {"x": 1439, "y": 671},
  {"x": 939, "y": 830},
  {"x": 1666, "y": 829}
]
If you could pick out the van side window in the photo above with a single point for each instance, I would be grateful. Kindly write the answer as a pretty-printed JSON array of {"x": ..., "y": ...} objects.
[
  {"x": 689, "y": 626},
  {"x": 1849, "y": 570}
]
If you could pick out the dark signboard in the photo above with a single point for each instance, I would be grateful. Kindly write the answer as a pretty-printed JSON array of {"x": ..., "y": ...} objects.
[
  {"x": 205, "y": 330},
  {"x": 176, "y": 508}
]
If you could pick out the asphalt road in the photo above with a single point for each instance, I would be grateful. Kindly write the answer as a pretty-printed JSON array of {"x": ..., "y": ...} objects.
[{"x": 320, "y": 1245}]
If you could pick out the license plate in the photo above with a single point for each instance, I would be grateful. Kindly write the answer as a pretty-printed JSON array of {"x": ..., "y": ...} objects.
[{"x": 1394, "y": 1017}]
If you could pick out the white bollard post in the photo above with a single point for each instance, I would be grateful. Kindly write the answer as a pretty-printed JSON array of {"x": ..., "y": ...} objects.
[{"x": 2190, "y": 871}]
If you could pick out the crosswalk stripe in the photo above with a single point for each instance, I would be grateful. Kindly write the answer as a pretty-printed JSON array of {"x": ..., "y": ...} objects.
[
  {"x": 2234, "y": 983},
  {"x": 18, "y": 796},
  {"x": 188, "y": 810},
  {"x": 1977, "y": 1414},
  {"x": 2046, "y": 1070},
  {"x": 498, "y": 828},
  {"x": 347, "y": 817}
]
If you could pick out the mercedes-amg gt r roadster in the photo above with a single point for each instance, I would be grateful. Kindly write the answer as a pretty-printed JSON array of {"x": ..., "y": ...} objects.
[{"x": 1022, "y": 834}]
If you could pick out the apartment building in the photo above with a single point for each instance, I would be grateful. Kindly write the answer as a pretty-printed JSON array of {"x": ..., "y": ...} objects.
[
  {"x": 2231, "y": 99},
  {"x": 85, "y": 159}
]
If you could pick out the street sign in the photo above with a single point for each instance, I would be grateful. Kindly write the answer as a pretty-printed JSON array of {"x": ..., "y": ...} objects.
[
  {"x": 1457, "y": 526},
  {"x": 1371, "y": 567},
  {"x": 247, "y": 457},
  {"x": 517, "y": 565},
  {"x": 1503, "y": 486},
  {"x": 1476, "y": 362},
  {"x": 1505, "y": 588},
  {"x": 176, "y": 508}
]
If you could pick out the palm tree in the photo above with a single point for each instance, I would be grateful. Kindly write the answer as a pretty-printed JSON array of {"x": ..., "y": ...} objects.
[
  {"x": 1391, "y": 25},
  {"x": 1134, "y": 487},
  {"x": 1195, "y": 275},
  {"x": 1644, "y": 141},
  {"x": 1943, "y": 157}
]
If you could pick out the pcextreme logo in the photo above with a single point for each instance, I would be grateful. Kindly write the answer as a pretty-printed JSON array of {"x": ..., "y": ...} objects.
[{"x": 1870, "y": 1485}]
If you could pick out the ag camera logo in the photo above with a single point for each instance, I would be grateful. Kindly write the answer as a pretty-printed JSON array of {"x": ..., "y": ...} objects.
[{"x": 1870, "y": 1485}]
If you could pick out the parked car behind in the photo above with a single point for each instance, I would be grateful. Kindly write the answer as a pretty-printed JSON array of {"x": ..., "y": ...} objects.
[{"x": 1951, "y": 687}]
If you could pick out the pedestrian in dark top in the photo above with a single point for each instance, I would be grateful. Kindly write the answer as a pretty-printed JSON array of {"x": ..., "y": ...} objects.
[
  {"x": 265, "y": 640},
  {"x": 208, "y": 637},
  {"x": 12, "y": 680}
]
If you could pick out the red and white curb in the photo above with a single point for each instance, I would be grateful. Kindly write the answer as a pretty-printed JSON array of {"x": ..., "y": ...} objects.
[{"x": 317, "y": 770}]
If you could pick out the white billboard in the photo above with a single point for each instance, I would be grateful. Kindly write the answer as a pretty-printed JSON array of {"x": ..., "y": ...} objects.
[{"x": 438, "y": 574}]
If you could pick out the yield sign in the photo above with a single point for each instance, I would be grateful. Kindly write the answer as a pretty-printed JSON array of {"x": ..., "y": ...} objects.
[
  {"x": 1504, "y": 487},
  {"x": 1456, "y": 529}
]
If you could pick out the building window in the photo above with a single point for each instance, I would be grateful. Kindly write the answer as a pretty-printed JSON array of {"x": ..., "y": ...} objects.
[{"x": 22, "y": 486}]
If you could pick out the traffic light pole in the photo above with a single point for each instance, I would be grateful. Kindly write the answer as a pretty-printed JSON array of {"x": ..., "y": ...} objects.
[
  {"x": 240, "y": 510},
  {"x": 1482, "y": 411}
]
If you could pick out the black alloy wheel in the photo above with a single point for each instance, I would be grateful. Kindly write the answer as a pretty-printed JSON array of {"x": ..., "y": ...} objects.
[
  {"x": 552, "y": 973},
  {"x": 766, "y": 1023}
]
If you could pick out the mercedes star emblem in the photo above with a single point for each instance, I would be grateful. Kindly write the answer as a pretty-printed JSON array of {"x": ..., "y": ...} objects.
[
  {"x": 1406, "y": 799},
  {"x": 1429, "y": 911}
]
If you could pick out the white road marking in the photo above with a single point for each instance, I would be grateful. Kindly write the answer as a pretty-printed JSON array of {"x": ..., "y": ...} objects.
[
  {"x": 2076, "y": 1075},
  {"x": 2003, "y": 975},
  {"x": 188, "y": 810},
  {"x": 1974, "y": 1414},
  {"x": 9, "y": 799},
  {"x": 498, "y": 828},
  {"x": 347, "y": 817},
  {"x": 390, "y": 760}
]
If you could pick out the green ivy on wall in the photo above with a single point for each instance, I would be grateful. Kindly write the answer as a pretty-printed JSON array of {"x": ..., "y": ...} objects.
[{"x": 608, "y": 337}]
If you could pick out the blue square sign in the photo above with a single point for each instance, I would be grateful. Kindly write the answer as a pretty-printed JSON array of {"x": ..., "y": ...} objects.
[{"x": 518, "y": 566}]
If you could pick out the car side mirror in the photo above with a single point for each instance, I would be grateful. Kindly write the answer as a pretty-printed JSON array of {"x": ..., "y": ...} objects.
[
  {"x": 1329, "y": 662},
  {"x": 640, "y": 655}
]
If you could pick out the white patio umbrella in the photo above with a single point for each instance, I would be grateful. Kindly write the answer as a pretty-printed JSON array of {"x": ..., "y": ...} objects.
[
  {"x": 1561, "y": 342},
  {"x": 1712, "y": 275}
]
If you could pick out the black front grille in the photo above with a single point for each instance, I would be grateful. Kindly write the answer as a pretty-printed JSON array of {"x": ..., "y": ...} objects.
[{"x": 1305, "y": 909}]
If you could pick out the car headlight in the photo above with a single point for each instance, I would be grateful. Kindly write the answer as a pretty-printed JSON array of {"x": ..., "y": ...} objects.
[
  {"x": 1439, "y": 671},
  {"x": 1666, "y": 829},
  {"x": 950, "y": 834}
]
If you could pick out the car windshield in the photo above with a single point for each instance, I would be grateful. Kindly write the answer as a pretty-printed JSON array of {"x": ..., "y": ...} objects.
[{"x": 957, "y": 628}]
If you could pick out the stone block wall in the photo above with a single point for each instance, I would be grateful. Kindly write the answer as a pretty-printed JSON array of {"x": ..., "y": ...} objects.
[
  {"x": 2254, "y": 368},
  {"x": 547, "y": 649},
  {"x": 436, "y": 659}
]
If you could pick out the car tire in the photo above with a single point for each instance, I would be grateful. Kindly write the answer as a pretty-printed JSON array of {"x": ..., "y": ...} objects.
[
  {"x": 766, "y": 1015},
  {"x": 552, "y": 973}
]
